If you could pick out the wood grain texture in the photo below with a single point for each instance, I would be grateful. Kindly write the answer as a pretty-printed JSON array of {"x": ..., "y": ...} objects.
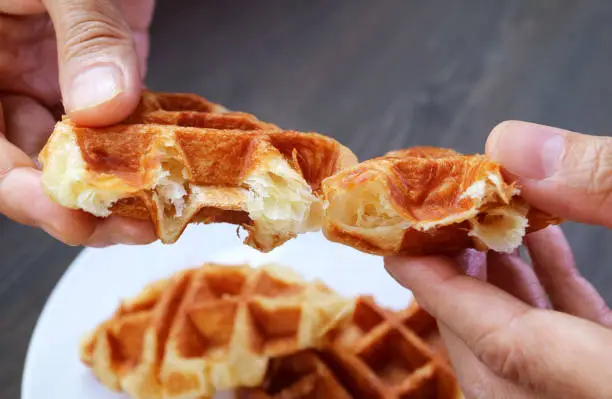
[{"x": 376, "y": 75}]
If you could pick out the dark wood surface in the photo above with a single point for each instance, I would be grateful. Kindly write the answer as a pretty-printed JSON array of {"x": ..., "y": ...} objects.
[{"x": 375, "y": 74}]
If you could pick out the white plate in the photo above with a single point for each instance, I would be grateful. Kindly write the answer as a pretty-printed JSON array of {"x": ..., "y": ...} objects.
[{"x": 93, "y": 285}]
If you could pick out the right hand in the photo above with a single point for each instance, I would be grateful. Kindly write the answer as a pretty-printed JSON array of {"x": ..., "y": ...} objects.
[
  {"x": 92, "y": 55},
  {"x": 513, "y": 331}
]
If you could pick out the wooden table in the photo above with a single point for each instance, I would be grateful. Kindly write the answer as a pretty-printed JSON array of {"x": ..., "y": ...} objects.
[{"x": 376, "y": 75}]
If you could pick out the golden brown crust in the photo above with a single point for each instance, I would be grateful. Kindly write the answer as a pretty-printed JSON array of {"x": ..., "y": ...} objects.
[
  {"x": 426, "y": 200},
  {"x": 167, "y": 101},
  {"x": 225, "y": 121},
  {"x": 210, "y": 328},
  {"x": 182, "y": 155},
  {"x": 301, "y": 375},
  {"x": 445, "y": 239},
  {"x": 211, "y": 158},
  {"x": 376, "y": 353},
  {"x": 186, "y": 141},
  {"x": 316, "y": 159}
]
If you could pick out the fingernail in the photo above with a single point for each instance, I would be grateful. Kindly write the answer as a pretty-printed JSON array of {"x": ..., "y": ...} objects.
[
  {"x": 473, "y": 263},
  {"x": 94, "y": 86},
  {"x": 527, "y": 150}
]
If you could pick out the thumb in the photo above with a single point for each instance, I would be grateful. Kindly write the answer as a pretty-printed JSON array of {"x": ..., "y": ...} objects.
[
  {"x": 99, "y": 74},
  {"x": 567, "y": 174}
]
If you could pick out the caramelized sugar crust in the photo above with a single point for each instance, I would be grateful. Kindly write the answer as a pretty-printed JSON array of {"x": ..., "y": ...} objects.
[
  {"x": 376, "y": 354},
  {"x": 426, "y": 200},
  {"x": 210, "y": 328},
  {"x": 180, "y": 158}
]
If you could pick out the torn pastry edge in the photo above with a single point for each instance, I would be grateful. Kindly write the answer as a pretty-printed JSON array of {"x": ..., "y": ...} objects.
[{"x": 96, "y": 193}]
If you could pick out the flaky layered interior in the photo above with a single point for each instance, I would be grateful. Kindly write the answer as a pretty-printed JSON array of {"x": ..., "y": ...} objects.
[
  {"x": 420, "y": 199},
  {"x": 66, "y": 180},
  {"x": 501, "y": 229},
  {"x": 175, "y": 201},
  {"x": 280, "y": 201},
  {"x": 277, "y": 199},
  {"x": 365, "y": 210},
  {"x": 496, "y": 219}
]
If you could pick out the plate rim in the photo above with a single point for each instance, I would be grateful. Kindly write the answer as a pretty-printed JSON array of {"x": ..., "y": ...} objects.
[
  {"x": 27, "y": 364},
  {"x": 37, "y": 342}
]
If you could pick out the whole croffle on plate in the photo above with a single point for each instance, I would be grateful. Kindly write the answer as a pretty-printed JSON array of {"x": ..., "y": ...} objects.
[{"x": 91, "y": 288}]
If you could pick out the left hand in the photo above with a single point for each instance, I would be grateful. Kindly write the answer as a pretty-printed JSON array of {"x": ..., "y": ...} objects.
[{"x": 90, "y": 55}]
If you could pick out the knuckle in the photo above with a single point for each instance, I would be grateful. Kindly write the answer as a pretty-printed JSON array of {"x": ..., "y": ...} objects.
[
  {"x": 500, "y": 351},
  {"x": 478, "y": 387},
  {"x": 493, "y": 349},
  {"x": 90, "y": 33},
  {"x": 511, "y": 362},
  {"x": 599, "y": 174},
  {"x": 587, "y": 168},
  {"x": 11, "y": 158},
  {"x": 514, "y": 353}
]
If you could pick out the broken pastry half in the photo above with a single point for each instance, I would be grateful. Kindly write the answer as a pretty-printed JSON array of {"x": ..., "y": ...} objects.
[
  {"x": 427, "y": 200},
  {"x": 180, "y": 158}
]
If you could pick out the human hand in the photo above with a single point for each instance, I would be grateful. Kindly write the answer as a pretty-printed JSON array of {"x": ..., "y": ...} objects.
[
  {"x": 101, "y": 48},
  {"x": 513, "y": 331}
]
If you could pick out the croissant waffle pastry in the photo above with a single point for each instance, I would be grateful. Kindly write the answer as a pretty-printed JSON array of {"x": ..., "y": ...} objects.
[
  {"x": 376, "y": 354},
  {"x": 180, "y": 158},
  {"x": 208, "y": 329},
  {"x": 426, "y": 200},
  {"x": 417, "y": 320},
  {"x": 302, "y": 375}
]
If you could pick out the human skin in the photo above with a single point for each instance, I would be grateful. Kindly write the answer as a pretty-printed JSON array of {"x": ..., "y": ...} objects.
[
  {"x": 89, "y": 55},
  {"x": 511, "y": 330},
  {"x": 516, "y": 331}
]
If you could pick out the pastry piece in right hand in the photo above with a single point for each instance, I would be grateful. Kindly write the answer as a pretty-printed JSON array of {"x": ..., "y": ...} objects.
[{"x": 427, "y": 200}]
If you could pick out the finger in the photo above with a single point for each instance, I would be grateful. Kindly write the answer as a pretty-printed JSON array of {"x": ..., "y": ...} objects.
[
  {"x": 141, "y": 44},
  {"x": 517, "y": 342},
  {"x": 21, "y": 7},
  {"x": 473, "y": 263},
  {"x": 27, "y": 123},
  {"x": 119, "y": 230},
  {"x": 510, "y": 273},
  {"x": 23, "y": 200},
  {"x": 564, "y": 173},
  {"x": 99, "y": 69},
  {"x": 2, "y": 123},
  {"x": 138, "y": 15},
  {"x": 28, "y": 58},
  {"x": 475, "y": 378},
  {"x": 453, "y": 298},
  {"x": 569, "y": 292}
]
